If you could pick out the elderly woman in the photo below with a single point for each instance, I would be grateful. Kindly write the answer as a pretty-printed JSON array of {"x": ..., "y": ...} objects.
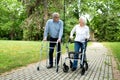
[{"x": 82, "y": 33}]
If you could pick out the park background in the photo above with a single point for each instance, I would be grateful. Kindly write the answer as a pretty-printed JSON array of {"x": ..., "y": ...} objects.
[{"x": 22, "y": 25}]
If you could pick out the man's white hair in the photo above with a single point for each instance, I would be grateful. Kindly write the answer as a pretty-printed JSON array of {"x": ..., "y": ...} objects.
[
  {"x": 84, "y": 19},
  {"x": 55, "y": 14}
]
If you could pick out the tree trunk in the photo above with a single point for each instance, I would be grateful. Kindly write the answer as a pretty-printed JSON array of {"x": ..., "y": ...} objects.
[
  {"x": 12, "y": 35},
  {"x": 31, "y": 8},
  {"x": 45, "y": 11},
  {"x": 92, "y": 37}
]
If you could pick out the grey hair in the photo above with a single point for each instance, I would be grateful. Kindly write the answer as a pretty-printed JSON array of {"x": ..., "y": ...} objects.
[
  {"x": 84, "y": 19},
  {"x": 54, "y": 14}
]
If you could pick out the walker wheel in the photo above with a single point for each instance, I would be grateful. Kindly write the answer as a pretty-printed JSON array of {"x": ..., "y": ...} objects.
[
  {"x": 65, "y": 68},
  {"x": 38, "y": 68},
  {"x": 71, "y": 64},
  {"x": 83, "y": 71},
  {"x": 86, "y": 65}
]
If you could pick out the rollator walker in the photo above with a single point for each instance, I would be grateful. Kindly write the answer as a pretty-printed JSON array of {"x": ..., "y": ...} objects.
[{"x": 70, "y": 57}]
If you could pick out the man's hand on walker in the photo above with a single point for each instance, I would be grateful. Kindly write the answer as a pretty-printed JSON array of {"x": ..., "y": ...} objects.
[
  {"x": 59, "y": 40},
  {"x": 44, "y": 39}
]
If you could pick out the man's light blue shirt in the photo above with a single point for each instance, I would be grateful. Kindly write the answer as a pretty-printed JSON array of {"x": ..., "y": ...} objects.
[{"x": 55, "y": 29}]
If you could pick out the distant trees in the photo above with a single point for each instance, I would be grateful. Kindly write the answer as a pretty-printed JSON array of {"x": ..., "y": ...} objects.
[
  {"x": 105, "y": 21},
  {"x": 38, "y": 12},
  {"x": 11, "y": 15},
  {"x": 25, "y": 19}
]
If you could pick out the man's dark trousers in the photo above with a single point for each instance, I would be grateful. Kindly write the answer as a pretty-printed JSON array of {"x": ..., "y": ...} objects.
[{"x": 52, "y": 45}]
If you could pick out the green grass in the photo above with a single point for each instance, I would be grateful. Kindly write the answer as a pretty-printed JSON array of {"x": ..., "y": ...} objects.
[
  {"x": 115, "y": 48},
  {"x": 14, "y": 54}
]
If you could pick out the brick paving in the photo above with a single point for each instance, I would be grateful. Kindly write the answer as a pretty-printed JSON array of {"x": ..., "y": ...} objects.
[{"x": 99, "y": 61}]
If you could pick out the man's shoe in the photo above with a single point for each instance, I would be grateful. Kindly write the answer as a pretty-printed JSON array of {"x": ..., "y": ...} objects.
[
  {"x": 80, "y": 65},
  {"x": 50, "y": 66},
  {"x": 73, "y": 69}
]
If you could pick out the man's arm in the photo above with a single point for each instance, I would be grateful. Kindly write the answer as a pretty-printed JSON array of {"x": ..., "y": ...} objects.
[
  {"x": 46, "y": 31},
  {"x": 61, "y": 31}
]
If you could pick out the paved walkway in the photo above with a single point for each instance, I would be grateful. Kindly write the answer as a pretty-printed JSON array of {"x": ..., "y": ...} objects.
[{"x": 99, "y": 68}]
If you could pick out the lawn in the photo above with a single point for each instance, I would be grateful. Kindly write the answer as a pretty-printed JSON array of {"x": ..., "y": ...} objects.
[
  {"x": 14, "y": 54},
  {"x": 115, "y": 48}
]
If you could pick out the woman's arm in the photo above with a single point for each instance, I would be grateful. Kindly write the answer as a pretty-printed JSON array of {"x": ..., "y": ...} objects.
[
  {"x": 72, "y": 32},
  {"x": 88, "y": 33}
]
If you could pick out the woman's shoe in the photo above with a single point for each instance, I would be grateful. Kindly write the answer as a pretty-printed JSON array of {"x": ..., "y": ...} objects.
[{"x": 73, "y": 69}]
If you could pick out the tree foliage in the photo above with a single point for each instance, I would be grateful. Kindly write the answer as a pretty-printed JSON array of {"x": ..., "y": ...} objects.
[
  {"x": 105, "y": 22},
  {"x": 12, "y": 14},
  {"x": 25, "y": 19}
]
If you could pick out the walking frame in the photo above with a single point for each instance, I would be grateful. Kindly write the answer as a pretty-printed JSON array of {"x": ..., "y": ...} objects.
[{"x": 46, "y": 46}]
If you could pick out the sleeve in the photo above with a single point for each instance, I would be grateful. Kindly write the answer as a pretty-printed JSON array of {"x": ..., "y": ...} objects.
[
  {"x": 88, "y": 33},
  {"x": 46, "y": 30},
  {"x": 61, "y": 30},
  {"x": 72, "y": 32}
]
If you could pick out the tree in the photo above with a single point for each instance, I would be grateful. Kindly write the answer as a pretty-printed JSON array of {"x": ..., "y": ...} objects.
[
  {"x": 33, "y": 26},
  {"x": 25, "y": 19},
  {"x": 105, "y": 22},
  {"x": 12, "y": 14}
]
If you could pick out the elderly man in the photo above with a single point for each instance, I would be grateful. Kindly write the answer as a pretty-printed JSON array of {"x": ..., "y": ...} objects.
[
  {"x": 55, "y": 29},
  {"x": 82, "y": 33}
]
